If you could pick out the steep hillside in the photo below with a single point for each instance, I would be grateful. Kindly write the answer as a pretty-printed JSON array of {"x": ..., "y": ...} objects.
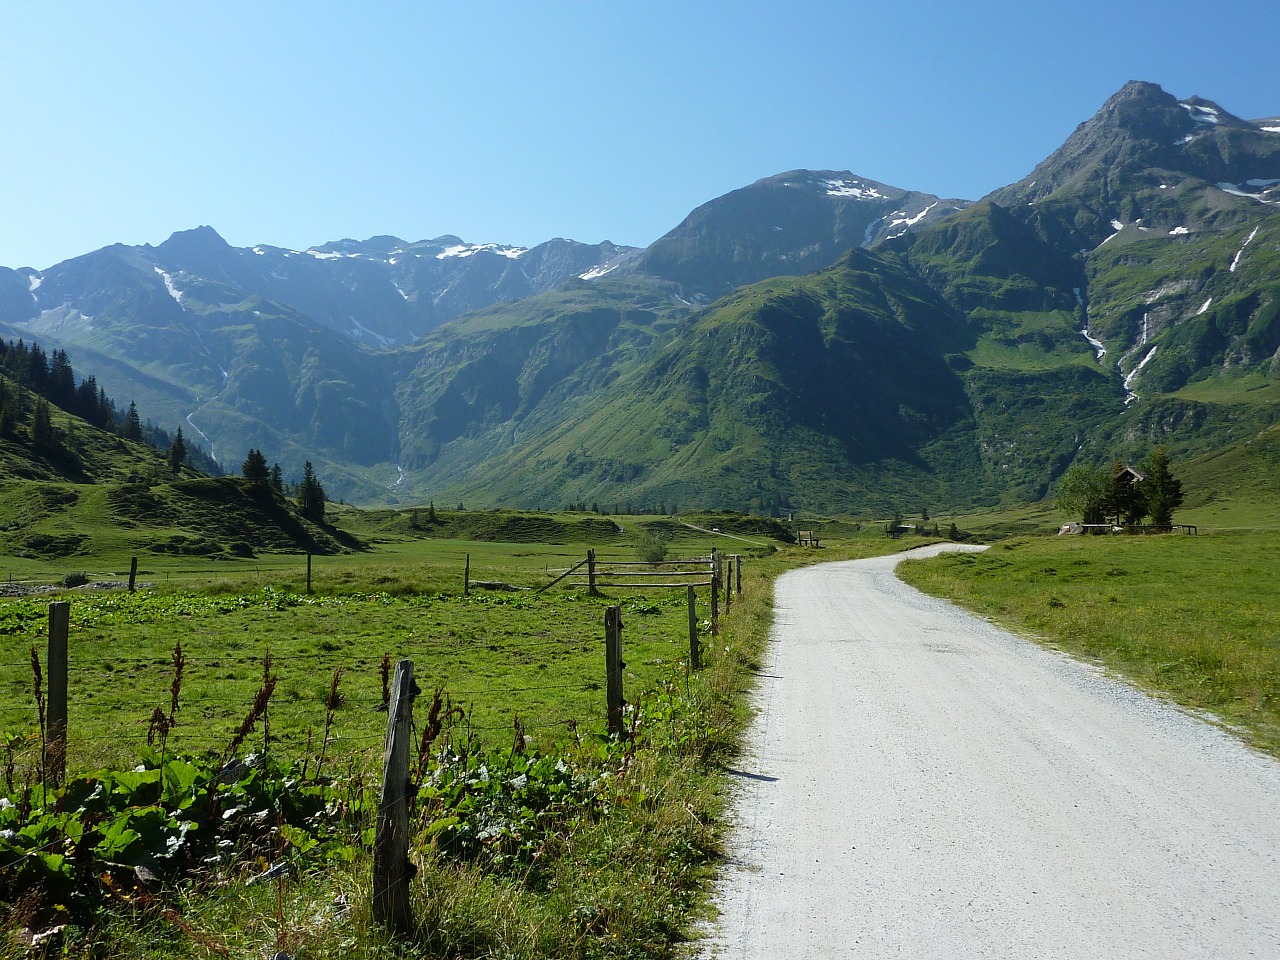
[
  {"x": 830, "y": 391},
  {"x": 84, "y": 491},
  {"x": 1136, "y": 261},
  {"x": 500, "y": 377},
  {"x": 786, "y": 225}
]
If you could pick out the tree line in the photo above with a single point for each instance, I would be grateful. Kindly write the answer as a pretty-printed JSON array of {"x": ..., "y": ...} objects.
[
  {"x": 1123, "y": 495},
  {"x": 38, "y": 381},
  {"x": 308, "y": 492}
]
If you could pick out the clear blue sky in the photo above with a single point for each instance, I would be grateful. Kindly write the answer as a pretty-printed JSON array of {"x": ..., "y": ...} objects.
[{"x": 293, "y": 124}]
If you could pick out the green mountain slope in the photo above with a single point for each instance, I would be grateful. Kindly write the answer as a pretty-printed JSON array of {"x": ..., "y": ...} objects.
[
  {"x": 87, "y": 492},
  {"x": 1125, "y": 293},
  {"x": 832, "y": 390}
]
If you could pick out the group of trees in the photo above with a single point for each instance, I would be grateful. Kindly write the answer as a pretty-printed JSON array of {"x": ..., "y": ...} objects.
[
  {"x": 1122, "y": 495},
  {"x": 52, "y": 378},
  {"x": 309, "y": 493},
  {"x": 623, "y": 509},
  {"x": 34, "y": 383}
]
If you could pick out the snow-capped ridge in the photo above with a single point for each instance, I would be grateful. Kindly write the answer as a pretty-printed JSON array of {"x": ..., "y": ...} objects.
[{"x": 471, "y": 249}]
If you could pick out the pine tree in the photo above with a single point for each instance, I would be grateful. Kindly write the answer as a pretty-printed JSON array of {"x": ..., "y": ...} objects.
[
  {"x": 62, "y": 381},
  {"x": 41, "y": 424},
  {"x": 177, "y": 451},
  {"x": 431, "y": 512},
  {"x": 1163, "y": 490},
  {"x": 132, "y": 429},
  {"x": 311, "y": 495},
  {"x": 255, "y": 469},
  {"x": 276, "y": 479}
]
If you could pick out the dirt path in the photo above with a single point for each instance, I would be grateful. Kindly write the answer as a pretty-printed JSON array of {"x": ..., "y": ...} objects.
[{"x": 921, "y": 784}]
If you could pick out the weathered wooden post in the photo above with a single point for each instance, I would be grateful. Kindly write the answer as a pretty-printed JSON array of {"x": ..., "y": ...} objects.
[
  {"x": 55, "y": 756},
  {"x": 591, "y": 571},
  {"x": 715, "y": 592},
  {"x": 133, "y": 573},
  {"x": 308, "y": 571},
  {"x": 466, "y": 578},
  {"x": 392, "y": 869},
  {"x": 613, "y": 668},
  {"x": 695, "y": 649},
  {"x": 738, "y": 569}
]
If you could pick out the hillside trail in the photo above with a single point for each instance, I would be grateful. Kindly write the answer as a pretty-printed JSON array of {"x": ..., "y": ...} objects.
[{"x": 921, "y": 784}]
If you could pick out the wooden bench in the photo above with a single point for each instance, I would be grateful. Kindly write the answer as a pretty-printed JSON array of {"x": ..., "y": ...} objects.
[{"x": 807, "y": 539}]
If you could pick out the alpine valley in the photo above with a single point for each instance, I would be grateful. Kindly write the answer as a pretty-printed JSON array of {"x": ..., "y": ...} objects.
[{"x": 814, "y": 341}]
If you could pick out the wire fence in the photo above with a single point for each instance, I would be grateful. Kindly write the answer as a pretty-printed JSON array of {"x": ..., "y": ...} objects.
[{"x": 554, "y": 687}]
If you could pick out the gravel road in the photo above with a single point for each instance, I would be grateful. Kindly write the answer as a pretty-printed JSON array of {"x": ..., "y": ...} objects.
[{"x": 921, "y": 784}]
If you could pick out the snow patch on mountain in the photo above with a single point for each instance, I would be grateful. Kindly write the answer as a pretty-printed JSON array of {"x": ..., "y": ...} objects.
[
  {"x": 1270, "y": 129},
  {"x": 1239, "y": 253},
  {"x": 33, "y": 283},
  {"x": 1204, "y": 306},
  {"x": 907, "y": 222},
  {"x": 852, "y": 188},
  {"x": 1179, "y": 232},
  {"x": 1117, "y": 226},
  {"x": 471, "y": 249},
  {"x": 360, "y": 332},
  {"x": 169, "y": 285},
  {"x": 1263, "y": 190},
  {"x": 599, "y": 270},
  {"x": 1202, "y": 114},
  {"x": 400, "y": 290}
]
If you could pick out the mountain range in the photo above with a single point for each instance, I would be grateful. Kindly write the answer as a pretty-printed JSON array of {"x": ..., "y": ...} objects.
[{"x": 814, "y": 340}]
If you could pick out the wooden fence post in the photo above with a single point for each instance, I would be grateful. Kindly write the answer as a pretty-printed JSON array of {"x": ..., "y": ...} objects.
[
  {"x": 695, "y": 649},
  {"x": 392, "y": 869},
  {"x": 738, "y": 568},
  {"x": 55, "y": 756},
  {"x": 308, "y": 571},
  {"x": 715, "y": 593},
  {"x": 466, "y": 578},
  {"x": 133, "y": 573},
  {"x": 613, "y": 668},
  {"x": 591, "y": 571}
]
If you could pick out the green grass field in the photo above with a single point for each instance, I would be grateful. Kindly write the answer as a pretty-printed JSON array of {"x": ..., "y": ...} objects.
[{"x": 592, "y": 850}]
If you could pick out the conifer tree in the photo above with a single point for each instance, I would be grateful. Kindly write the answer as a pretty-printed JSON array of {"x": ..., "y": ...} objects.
[
  {"x": 1162, "y": 489},
  {"x": 177, "y": 451},
  {"x": 255, "y": 469},
  {"x": 41, "y": 424},
  {"x": 311, "y": 495},
  {"x": 276, "y": 479},
  {"x": 132, "y": 429}
]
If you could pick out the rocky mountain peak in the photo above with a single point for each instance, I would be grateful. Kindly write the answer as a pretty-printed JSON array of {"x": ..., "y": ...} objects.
[{"x": 202, "y": 241}]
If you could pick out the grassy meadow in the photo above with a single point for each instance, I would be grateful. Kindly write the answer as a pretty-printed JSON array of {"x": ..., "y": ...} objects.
[{"x": 542, "y": 839}]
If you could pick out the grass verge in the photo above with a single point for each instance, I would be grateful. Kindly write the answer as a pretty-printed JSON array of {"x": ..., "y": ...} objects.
[{"x": 1196, "y": 619}]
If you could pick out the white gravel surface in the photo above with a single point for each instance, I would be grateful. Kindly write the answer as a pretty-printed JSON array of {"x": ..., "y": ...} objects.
[{"x": 921, "y": 784}]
